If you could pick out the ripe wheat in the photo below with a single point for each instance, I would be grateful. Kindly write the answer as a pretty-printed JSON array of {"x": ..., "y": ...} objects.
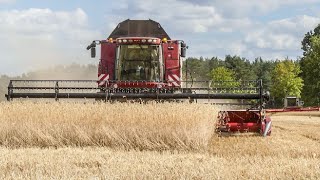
[
  {"x": 104, "y": 141},
  {"x": 152, "y": 126}
]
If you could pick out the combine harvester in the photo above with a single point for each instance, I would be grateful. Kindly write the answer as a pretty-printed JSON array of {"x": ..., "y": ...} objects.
[{"x": 139, "y": 61}]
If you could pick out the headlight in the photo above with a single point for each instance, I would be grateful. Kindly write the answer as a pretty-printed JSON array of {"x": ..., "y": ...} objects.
[{"x": 125, "y": 40}]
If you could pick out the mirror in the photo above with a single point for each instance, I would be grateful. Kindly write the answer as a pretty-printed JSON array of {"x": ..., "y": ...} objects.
[
  {"x": 183, "y": 52},
  {"x": 183, "y": 49},
  {"x": 93, "y": 52}
]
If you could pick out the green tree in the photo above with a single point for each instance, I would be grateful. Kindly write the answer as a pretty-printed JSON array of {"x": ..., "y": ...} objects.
[
  {"x": 285, "y": 80},
  {"x": 199, "y": 68},
  {"x": 262, "y": 70},
  {"x": 306, "y": 42},
  {"x": 241, "y": 66},
  {"x": 194, "y": 69},
  {"x": 310, "y": 65},
  {"x": 210, "y": 64},
  {"x": 224, "y": 77}
]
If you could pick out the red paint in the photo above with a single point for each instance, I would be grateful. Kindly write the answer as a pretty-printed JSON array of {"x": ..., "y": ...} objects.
[
  {"x": 107, "y": 61},
  {"x": 172, "y": 61},
  {"x": 171, "y": 58},
  {"x": 296, "y": 109},
  {"x": 242, "y": 121},
  {"x": 124, "y": 84}
]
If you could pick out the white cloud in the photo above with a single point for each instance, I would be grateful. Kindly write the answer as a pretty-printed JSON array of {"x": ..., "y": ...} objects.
[
  {"x": 183, "y": 16},
  {"x": 216, "y": 28},
  {"x": 283, "y": 34},
  {"x": 39, "y": 37},
  {"x": 243, "y": 8},
  {"x": 237, "y": 48},
  {"x": 42, "y": 21},
  {"x": 295, "y": 24},
  {"x": 268, "y": 40},
  {"x": 35, "y": 38},
  {"x": 6, "y": 1},
  {"x": 180, "y": 16}
]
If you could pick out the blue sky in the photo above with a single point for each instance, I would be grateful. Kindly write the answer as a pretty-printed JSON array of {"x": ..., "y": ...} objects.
[{"x": 40, "y": 33}]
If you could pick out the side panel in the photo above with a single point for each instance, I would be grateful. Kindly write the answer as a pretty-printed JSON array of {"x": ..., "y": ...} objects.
[
  {"x": 171, "y": 57},
  {"x": 107, "y": 63}
]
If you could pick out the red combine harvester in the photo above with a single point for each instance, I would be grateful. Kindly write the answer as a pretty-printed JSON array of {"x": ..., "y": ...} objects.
[{"x": 139, "y": 61}]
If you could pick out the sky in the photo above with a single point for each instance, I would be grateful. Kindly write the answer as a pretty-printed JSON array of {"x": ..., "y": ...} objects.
[{"x": 36, "y": 34}]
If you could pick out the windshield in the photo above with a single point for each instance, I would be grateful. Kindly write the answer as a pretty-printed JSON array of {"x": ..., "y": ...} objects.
[{"x": 138, "y": 63}]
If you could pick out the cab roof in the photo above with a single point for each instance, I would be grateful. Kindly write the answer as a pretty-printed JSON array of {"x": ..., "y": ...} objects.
[{"x": 139, "y": 28}]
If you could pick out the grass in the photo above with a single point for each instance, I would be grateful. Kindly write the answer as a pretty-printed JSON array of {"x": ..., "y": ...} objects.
[{"x": 186, "y": 146}]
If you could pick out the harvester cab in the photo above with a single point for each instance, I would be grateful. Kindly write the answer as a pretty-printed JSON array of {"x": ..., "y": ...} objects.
[{"x": 139, "y": 51}]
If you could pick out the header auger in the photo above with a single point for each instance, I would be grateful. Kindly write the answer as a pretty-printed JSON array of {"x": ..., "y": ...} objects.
[{"x": 139, "y": 61}]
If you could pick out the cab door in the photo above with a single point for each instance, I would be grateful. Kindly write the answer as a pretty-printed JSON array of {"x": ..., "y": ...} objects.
[
  {"x": 172, "y": 63},
  {"x": 107, "y": 63}
]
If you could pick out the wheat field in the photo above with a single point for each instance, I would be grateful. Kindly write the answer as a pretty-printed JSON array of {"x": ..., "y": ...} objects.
[
  {"x": 149, "y": 141},
  {"x": 152, "y": 126}
]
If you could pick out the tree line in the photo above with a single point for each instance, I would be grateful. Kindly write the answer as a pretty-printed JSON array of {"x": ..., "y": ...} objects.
[
  {"x": 282, "y": 77},
  {"x": 277, "y": 75}
]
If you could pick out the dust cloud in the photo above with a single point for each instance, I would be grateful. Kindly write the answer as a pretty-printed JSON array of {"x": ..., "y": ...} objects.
[{"x": 60, "y": 72}]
